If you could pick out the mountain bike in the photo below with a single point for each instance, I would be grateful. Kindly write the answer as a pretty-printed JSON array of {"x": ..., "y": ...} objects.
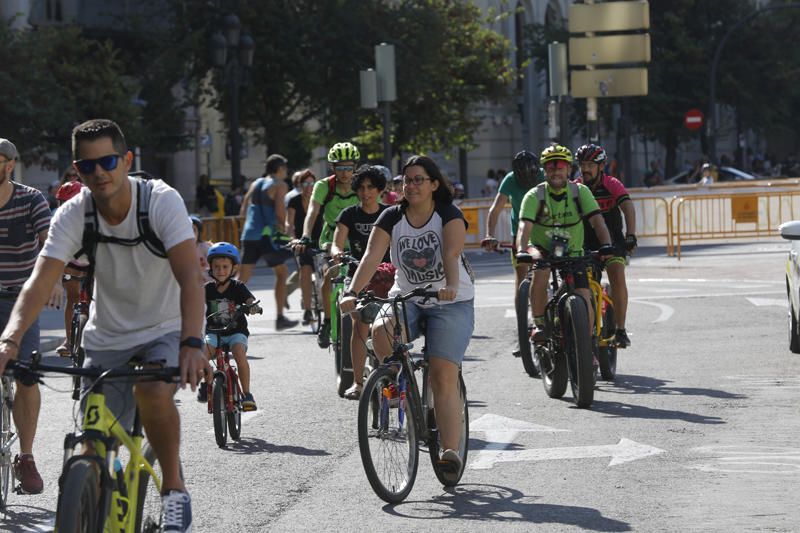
[
  {"x": 395, "y": 419},
  {"x": 567, "y": 353},
  {"x": 225, "y": 390},
  {"x": 342, "y": 326},
  {"x": 96, "y": 493},
  {"x": 605, "y": 345}
]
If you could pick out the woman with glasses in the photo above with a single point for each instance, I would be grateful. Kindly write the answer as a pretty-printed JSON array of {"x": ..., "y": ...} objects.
[
  {"x": 295, "y": 217},
  {"x": 425, "y": 233}
]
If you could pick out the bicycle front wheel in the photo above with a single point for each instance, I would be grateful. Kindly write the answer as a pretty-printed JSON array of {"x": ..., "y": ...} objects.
[
  {"x": 387, "y": 438},
  {"x": 218, "y": 411},
  {"x": 148, "y": 499},
  {"x": 78, "y": 504},
  {"x": 450, "y": 479},
  {"x": 524, "y": 330},
  {"x": 579, "y": 351},
  {"x": 6, "y": 439}
]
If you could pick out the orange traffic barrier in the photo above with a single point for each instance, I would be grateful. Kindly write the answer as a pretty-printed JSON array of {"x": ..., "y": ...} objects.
[{"x": 227, "y": 229}]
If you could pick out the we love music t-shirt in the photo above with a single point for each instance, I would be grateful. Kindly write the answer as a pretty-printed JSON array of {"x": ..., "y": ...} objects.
[{"x": 417, "y": 252}]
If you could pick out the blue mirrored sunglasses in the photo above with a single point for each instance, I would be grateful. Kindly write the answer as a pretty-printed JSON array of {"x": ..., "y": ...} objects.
[{"x": 107, "y": 163}]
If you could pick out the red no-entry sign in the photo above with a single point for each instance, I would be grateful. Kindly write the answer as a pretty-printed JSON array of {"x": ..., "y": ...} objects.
[{"x": 693, "y": 119}]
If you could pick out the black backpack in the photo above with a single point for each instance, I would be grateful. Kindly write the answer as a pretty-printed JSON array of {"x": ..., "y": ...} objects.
[{"x": 92, "y": 235}]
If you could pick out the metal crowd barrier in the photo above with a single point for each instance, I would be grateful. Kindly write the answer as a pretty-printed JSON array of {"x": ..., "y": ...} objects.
[{"x": 227, "y": 229}]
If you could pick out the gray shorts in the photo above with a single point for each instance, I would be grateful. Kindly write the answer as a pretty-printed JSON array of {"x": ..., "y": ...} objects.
[
  {"x": 119, "y": 392},
  {"x": 30, "y": 341}
]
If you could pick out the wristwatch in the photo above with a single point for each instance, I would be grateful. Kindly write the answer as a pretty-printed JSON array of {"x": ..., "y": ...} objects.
[{"x": 192, "y": 342}]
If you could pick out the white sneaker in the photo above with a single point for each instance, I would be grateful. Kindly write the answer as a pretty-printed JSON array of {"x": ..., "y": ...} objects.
[{"x": 176, "y": 512}]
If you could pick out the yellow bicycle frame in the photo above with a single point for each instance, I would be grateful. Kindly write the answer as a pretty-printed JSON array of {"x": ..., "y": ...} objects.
[
  {"x": 599, "y": 298},
  {"x": 98, "y": 417}
]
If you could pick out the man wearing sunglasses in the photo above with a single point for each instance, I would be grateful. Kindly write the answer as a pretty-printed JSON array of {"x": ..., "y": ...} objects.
[
  {"x": 24, "y": 222},
  {"x": 558, "y": 207},
  {"x": 330, "y": 197},
  {"x": 146, "y": 307}
]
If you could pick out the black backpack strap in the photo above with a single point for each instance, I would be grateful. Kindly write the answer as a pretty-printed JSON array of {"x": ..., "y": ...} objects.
[
  {"x": 541, "y": 196},
  {"x": 573, "y": 189},
  {"x": 91, "y": 232},
  {"x": 144, "y": 189}
]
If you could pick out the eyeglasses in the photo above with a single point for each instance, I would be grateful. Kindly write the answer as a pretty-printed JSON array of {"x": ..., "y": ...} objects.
[
  {"x": 307, "y": 184},
  {"x": 553, "y": 165},
  {"x": 343, "y": 168},
  {"x": 416, "y": 180},
  {"x": 5, "y": 161},
  {"x": 107, "y": 163}
]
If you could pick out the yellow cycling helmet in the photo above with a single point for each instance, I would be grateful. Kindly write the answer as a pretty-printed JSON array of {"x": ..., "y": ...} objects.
[
  {"x": 343, "y": 152},
  {"x": 555, "y": 153}
]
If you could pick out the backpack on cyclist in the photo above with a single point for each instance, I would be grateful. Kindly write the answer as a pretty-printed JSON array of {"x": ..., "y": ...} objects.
[
  {"x": 91, "y": 232},
  {"x": 541, "y": 197}
]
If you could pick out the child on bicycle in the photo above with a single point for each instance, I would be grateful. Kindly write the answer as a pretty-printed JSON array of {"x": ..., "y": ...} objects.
[{"x": 223, "y": 293}]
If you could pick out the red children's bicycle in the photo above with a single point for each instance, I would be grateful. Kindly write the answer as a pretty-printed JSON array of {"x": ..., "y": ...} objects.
[{"x": 225, "y": 390}]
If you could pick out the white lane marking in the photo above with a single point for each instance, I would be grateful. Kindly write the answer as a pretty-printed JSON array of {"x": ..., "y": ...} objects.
[
  {"x": 493, "y": 281},
  {"x": 707, "y": 281},
  {"x": 705, "y": 295},
  {"x": 510, "y": 313},
  {"x": 500, "y": 433},
  {"x": 624, "y": 451},
  {"x": 743, "y": 459},
  {"x": 760, "y": 302},
  {"x": 666, "y": 310}
]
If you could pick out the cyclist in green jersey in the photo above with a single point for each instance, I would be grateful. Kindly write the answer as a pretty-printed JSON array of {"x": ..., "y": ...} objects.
[
  {"x": 329, "y": 198},
  {"x": 561, "y": 211},
  {"x": 525, "y": 175}
]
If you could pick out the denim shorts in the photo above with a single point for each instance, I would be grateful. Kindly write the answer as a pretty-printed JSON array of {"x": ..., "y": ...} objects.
[
  {"x": 448, "y": 330},
  {"x": 30, "y": 341},
  {"x": 230, "y": 340},
  {"x": 119, "y": 392}
]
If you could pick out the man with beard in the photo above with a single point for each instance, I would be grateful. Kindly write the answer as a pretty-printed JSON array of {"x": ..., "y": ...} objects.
[{"x": 614, "y": 202}]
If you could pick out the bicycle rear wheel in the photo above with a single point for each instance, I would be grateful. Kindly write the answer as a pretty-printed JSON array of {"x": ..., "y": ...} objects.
[
  {"x": 6, "y": 439},
  {"x": 607, "y": 355},
  {"x": 523, "y": 329},
  {"x": 450, "y": 479},
  {"x": 387, "y": 438},
  {"x": 579, "y": 351},
  {"x": 79, "y": 501},
  {"x": 76, "y": 352},
  {"x": 218, "y": 411},
  {"x": 316, "y": 309},
  {"x": 235, "y": 417}
]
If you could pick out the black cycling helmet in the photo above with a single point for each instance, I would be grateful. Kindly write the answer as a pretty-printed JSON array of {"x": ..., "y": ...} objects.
[
  {"x": 526, "y": 167},
  {"x": 591, "y": 152}
]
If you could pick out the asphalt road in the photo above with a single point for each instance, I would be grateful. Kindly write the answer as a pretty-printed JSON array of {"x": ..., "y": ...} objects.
[{"x": 698, "y": 433}]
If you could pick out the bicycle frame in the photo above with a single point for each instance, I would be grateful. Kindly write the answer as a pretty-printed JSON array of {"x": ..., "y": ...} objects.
[
  {"x": 8, "y": 438},
  {"x": 222, "y": 357},
  {"x": 601, "y": 300}
]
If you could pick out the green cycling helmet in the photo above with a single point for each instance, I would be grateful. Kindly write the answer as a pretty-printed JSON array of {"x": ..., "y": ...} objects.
[
  {"x": 343, "y": 152},
  {"x": 555, "y": 153}
]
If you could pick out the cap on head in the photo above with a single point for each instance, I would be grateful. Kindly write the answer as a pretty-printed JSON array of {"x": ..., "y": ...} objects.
[
  {"x": 8, "y": 150},
  {"x": 68, "y": 190}
]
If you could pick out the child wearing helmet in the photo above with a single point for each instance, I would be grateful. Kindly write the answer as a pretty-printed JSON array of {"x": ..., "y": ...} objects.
[{"x": 223, "y": 293}]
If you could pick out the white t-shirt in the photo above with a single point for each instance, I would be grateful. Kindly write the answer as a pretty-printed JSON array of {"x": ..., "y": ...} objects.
[
  {"x": 136, "y": 296},
  {"x": 417, "y": 252}
]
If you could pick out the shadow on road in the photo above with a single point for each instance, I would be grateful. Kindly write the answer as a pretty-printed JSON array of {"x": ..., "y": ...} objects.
[
  {"x": 250, "y": 445},
  {"x": 25, "y": 518},
  {"x": 503, "y": 504},
  {"x": 626, "y": 410},
  {"x": 649, "y": 385}
]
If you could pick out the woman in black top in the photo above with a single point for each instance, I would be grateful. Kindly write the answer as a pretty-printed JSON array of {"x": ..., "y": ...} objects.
[
  {"x": 295, "y": 216},
  {"x": 353, "y": 227}
]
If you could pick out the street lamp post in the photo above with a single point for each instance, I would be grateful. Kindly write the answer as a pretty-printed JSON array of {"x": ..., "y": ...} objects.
[{"x": 242, "y": 49}]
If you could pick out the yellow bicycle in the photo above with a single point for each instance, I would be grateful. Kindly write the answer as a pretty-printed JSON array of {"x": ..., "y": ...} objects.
[
  {"x": 95, "y": 492},
  {"x": 604, "y": 326}
]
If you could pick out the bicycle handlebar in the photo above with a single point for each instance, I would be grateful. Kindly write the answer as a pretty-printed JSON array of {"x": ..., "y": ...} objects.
[
  {"x": 239, "y": 311},
  {"x": 30, "y": 372},
  {"x": 424, "y": 292}
]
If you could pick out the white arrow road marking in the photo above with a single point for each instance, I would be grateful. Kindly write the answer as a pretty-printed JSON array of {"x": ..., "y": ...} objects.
[
  {"x": 760, "y": 302},
  {"x": 500, "y": 433},
  {"x": 624, "y": 451},
  {"x": 666, "y": 310}
]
